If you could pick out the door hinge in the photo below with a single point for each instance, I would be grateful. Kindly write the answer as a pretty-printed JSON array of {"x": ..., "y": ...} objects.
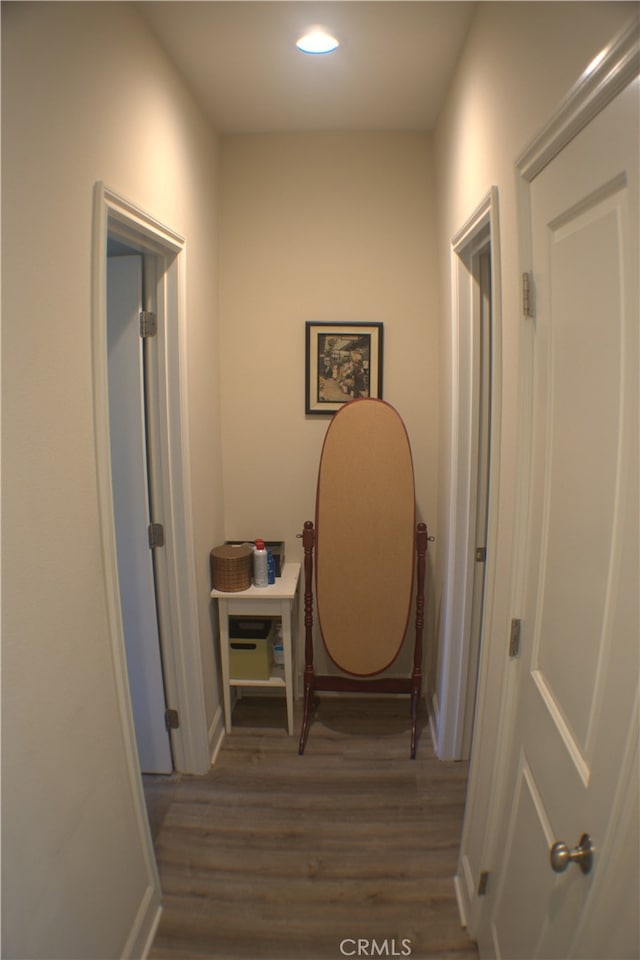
[
  {"x": 527, "y": 295},
  {"x": 171, "y": 719},
  {"x": 481, "y": 554},
  {"x": 148, "y": 323},
  {"x": 482, "y": 883},
  {"x": 514, "y": 638},
  {"x": 156, "y": 535}
]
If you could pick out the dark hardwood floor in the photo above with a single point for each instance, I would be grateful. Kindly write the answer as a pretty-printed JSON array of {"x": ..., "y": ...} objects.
[{"x": 274, "y": 856}]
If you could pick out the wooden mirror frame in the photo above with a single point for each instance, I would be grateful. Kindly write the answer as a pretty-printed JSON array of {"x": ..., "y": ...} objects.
[{"x": 362, "y": 436}]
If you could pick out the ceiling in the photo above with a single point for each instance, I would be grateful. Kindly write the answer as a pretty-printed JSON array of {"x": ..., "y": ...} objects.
[{"x": 391, "y": 71}]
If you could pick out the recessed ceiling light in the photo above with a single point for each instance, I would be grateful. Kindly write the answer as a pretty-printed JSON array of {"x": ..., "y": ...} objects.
[{"x": 317, "y": 40}]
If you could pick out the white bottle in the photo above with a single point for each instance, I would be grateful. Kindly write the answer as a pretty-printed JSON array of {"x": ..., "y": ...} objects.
[{"x": 260, "y": 569}]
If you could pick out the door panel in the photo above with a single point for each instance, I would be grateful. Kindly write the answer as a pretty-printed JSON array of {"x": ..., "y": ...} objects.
[
  {"x": 577, "y": 678},
  {"x": 131, "y": 510},
  {"x": 585, "y": 350}
]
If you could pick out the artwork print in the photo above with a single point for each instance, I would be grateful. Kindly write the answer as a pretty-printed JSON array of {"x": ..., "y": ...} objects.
[{"x": 344, "y": 362}]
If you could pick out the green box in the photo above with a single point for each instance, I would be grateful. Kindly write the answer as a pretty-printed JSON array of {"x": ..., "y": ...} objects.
[{"x": 251, "y": 659}]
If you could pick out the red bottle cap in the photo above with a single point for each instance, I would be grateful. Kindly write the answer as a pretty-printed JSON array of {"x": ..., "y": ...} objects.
[{"x": 259, "y": 544}]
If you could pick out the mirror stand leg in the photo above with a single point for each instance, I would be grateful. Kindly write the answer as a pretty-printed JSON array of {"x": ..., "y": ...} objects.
[{"x": 308, "y": 541}]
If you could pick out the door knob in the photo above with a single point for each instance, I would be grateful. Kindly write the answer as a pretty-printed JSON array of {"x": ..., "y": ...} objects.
[{"x": 561, "y": 856}]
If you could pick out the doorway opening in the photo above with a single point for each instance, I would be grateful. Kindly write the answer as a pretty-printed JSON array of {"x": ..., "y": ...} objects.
[
  {"x": 474, "y": 445},
  {"x": 158, "y": 255},
  {"x": 138, "y": 510},
  {"x": 480, "y": 270}
]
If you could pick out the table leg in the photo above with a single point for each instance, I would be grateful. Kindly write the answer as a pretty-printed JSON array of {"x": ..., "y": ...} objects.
[
  {"x": 288, "y": 662},
  {"x": 224, "y": 662}
]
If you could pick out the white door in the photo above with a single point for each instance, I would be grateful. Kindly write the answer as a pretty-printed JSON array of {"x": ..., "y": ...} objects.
[
  {"x": 573, "y": 765},
  {"x": 132, "y": 514}
]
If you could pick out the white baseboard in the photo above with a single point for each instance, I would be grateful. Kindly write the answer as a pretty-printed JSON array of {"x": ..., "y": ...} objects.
[
  {"x": 144, "y": 927},
  {"x": 461, "y": 900},
  {"x": 434, "y": 715},
  {"x": 216, "y": 735}
]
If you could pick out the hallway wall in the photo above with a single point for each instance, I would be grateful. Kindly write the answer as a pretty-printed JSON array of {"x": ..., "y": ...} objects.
[
  {"x": 322, "y": 227},
  {"x": 325, "y": 228},
  {"x": 86, "y": 95}
]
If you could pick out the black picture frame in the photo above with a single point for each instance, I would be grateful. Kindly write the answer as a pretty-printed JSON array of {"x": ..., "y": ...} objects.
[{"x": 343, "y": 363}]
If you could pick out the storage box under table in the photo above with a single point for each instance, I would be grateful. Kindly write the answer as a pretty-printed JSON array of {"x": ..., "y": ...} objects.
[{"x": 250, "y": 648}]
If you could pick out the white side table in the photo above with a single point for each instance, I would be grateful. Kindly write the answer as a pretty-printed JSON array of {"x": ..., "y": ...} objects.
[{"x": 276, "y": 600}]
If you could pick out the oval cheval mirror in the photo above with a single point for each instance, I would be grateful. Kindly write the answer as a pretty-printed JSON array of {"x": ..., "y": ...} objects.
[{"x": 367, "y": 548}]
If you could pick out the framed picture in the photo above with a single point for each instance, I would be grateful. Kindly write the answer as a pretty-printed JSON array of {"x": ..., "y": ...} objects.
[{"x": 344, "y": 362}]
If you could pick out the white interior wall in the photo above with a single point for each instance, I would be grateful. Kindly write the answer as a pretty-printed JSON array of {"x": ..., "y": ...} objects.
[
  {"x": 322, "y": 227},
  {"x": 86, "y": 96},
  {"x": 519, "y": 62}
]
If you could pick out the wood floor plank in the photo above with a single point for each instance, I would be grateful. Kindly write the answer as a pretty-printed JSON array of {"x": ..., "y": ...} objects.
[{"x": 277, "y": 856}]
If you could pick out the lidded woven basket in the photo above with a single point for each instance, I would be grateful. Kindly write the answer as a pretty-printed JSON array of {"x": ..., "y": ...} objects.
[{"x": 231, "y": 567}]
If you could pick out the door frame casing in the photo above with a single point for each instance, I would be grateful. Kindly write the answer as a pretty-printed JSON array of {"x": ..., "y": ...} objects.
[
  {"x": 177, "y": 577},
  {"x": 481, "y": 230},
  {"x": 610, "y": 72}
]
